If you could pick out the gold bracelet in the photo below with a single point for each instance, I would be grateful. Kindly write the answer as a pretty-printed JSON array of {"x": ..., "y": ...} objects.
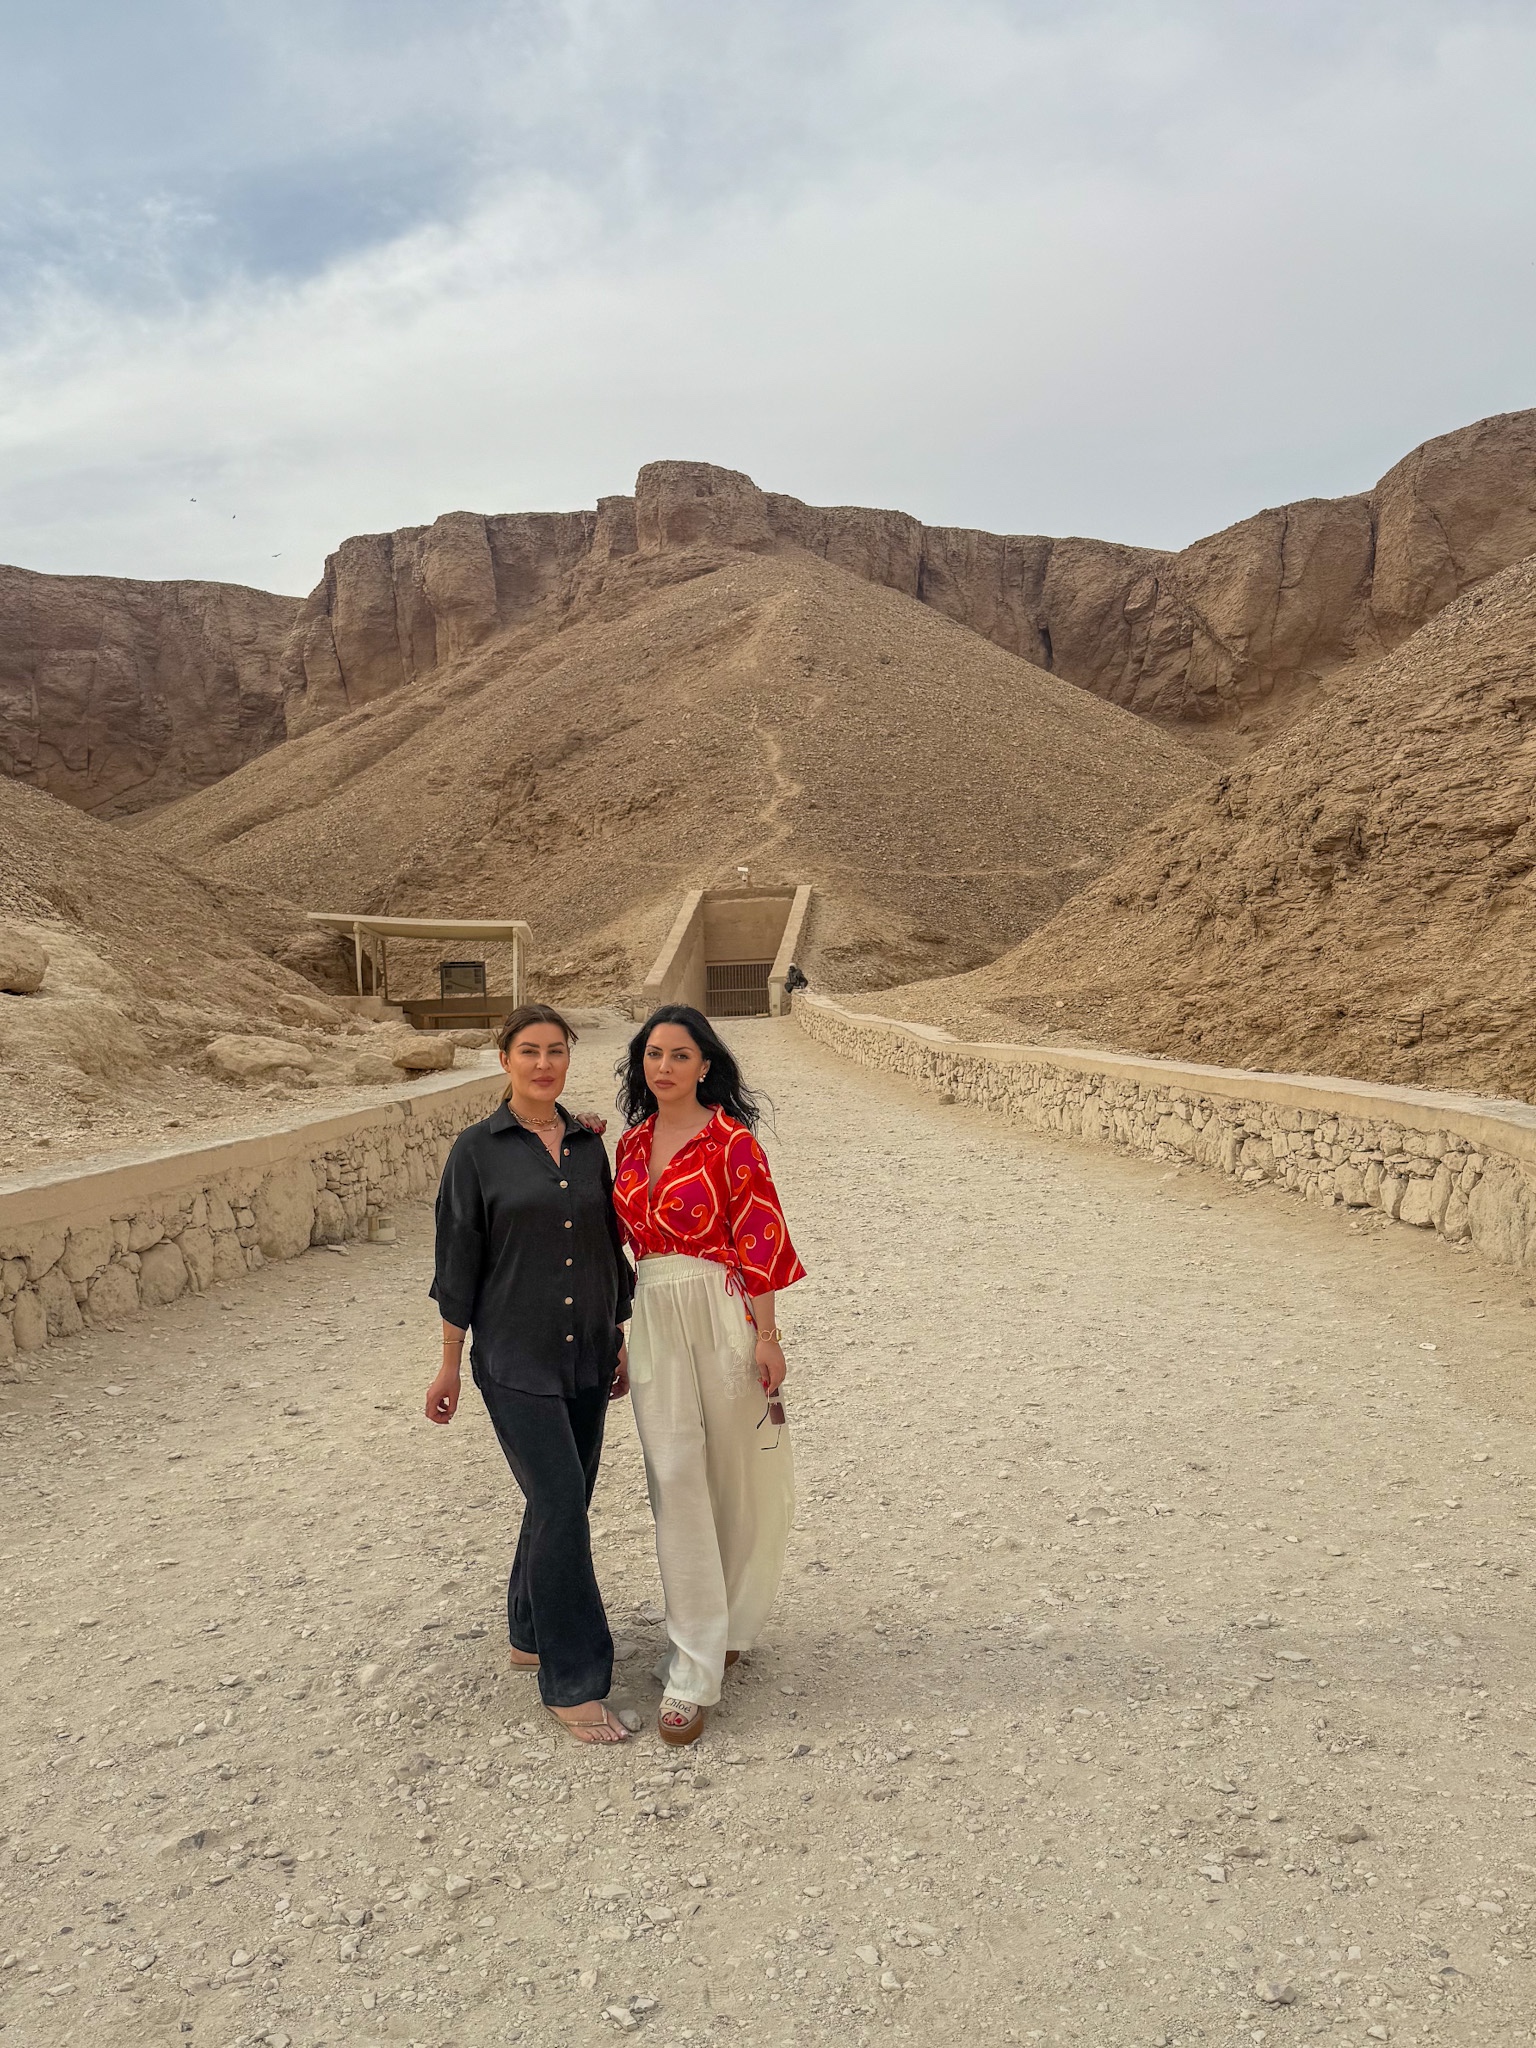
[{"x": 769, "y": 1336}]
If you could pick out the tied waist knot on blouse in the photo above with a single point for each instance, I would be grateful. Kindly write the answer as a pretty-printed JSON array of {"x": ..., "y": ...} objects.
[{"x": 714, "y": 1200}]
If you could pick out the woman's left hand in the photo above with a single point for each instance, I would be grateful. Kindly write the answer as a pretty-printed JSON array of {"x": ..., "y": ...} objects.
[
  {"x": 594, "y": 1122},
  {"x": 620, "y": 1386},
  {"x": 771, "y": 1367}
]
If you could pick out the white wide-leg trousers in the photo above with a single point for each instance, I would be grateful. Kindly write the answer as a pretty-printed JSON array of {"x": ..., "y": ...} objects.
[{"x": 721, "y": 1479}]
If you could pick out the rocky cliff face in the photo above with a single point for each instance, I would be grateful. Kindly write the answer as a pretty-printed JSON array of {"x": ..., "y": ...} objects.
[
  {"x": 1255, "y": 614},
  {"x": 116, "y": 695},
  {"x": 394, "y": 607}
]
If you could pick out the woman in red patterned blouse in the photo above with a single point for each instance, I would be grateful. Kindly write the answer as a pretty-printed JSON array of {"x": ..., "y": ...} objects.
[{"x": 699, "y": 1210}]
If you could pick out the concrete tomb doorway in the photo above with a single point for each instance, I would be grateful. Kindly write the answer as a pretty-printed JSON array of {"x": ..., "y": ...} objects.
[{"x": 729, "y": 950}]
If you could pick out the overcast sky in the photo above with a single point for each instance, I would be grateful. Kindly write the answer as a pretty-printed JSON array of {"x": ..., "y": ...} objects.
[{"x": 277, "y": 271}]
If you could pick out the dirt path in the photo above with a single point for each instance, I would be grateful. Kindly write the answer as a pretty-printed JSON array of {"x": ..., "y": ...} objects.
[{"x": 1158, "y": 1621}]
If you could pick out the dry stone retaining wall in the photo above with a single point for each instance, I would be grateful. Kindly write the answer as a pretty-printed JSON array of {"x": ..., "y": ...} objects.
[
  {"x": 89, "y": 1248},
  {"x": 1459, "y": 1165}
]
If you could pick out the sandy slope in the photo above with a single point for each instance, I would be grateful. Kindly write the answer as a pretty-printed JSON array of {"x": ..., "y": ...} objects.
[
  {"x": 1357, "y": 898},
  {"x": 149, "y": 958},
  {"x": 944, "y": 795},
  {"x": 1103, "y": 1683}
]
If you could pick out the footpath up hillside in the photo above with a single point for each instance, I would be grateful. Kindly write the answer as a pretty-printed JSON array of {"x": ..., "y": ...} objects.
[
  {"x": 711, "y": 707},
  {"x": 1357, "y": 898}
]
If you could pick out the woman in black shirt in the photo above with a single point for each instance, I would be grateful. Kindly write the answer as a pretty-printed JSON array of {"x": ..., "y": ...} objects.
[{"x": 528, "y": 1257}]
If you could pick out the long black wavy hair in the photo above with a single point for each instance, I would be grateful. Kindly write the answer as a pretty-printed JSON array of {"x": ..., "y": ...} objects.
[{"x": 721, "y": 1088}]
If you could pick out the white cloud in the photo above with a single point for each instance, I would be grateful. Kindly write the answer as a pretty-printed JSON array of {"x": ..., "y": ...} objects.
[{"x": 1132, "y": 270}]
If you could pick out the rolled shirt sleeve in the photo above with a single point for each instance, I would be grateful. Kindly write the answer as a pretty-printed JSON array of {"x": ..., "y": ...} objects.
[
  {"x": 460, "y": 1262},
  {"x": 768, "y": 1260}
]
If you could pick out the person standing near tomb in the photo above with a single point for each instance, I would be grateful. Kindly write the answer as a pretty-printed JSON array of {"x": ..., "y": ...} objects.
[
  {"x": 697, "y": 1206},
  {"x": 529, "y": 1259}
]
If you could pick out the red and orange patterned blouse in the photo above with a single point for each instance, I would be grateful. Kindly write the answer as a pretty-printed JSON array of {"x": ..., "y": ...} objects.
[{"x": 714, "y": 1200}]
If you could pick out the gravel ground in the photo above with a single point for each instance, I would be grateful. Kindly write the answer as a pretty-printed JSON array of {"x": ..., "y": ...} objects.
[{"x": 1152, "y": 1664}]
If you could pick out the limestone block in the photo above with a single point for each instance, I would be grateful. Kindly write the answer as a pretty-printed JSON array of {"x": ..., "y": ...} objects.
[
  {"x": 1373, "y": 1178},
  {"x": 235, "y": 1058},
  {"x": 45, "y": 1250},
  {"x": 355, "y": 1204},
  {"x": 1470, "y": 1175},
  {"x": 421, "y": 1052},
  {"x": 284, "y": 1207},
  {"x": 1500, "y": 1209},
  {"x": 196, "y": 1247},
  {"x": 143, "y": 1231},
  {"x": 1457, "y": 1225},
  {"x": 60, "y": 1308},
  {"x": 86, "y": 1253},
  {"x": 330, "y": 1224},
  {"x": 1440, "y": 1191},
  {"x": 1231, "y": 1146},
  {"x": 7, "y": 1341},
  {"x": 371, "y": 1070},
  {"x": 162, "y": 1275},
  {"x": 198, "y": 1215},
  {"x": 1174, "y": 1132},
  {"x": 29, "y": 1321},
  {"x": 1349, "y": 1185},
  {"x": 1417, "y": 1206},
  {"x": 23, "y": 962},
  {"x": 113, "y": 1295},
  {"x": 228, "y": 1258},
  {"x": 13, "y": 1277},
  {"x": 120, "y": 1233},
  {"x": 220, "y": 1214},
  {"x": 1392, "y": 1191},
  {"x": 254, "y": 1258},
  {"x": 1257, "y": 1152}
]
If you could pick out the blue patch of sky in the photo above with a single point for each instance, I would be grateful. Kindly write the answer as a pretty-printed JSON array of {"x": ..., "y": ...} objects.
[{"x": 165, "y": 148}]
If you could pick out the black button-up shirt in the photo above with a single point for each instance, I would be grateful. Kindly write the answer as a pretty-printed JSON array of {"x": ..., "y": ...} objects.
[{"x": 529, "y": 1256}]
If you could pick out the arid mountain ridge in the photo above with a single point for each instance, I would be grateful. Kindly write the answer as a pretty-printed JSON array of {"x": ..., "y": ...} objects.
[{"x": 120, "y": 696}]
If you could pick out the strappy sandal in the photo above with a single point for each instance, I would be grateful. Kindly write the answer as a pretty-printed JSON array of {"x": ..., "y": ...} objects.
[
  {"x": 523, "y": 1660},
  {"x": 732, "y": 1657},
  {"x": 579, "y": 1731},
  {"x": 686, "y": 1719}
]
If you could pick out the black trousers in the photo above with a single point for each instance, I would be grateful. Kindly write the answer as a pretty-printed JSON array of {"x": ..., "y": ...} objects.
[{"x": 554, "y": 1608}]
